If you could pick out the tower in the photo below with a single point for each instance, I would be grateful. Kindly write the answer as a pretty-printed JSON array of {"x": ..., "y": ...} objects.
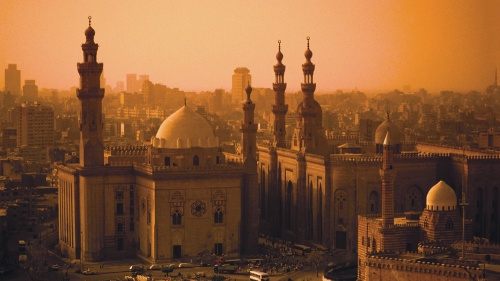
[
  {"x": 13, "y": 79},
  {"x": 308, "y": 135},
  {"x": 241, "y": 78},
  {"x": 90, "y": 95},
  {"x": 279, "y": 107},
  {"x": 387, "y": 175},
  {"x": 249, "y": 189},
  {"x": 92, "y": 169}
]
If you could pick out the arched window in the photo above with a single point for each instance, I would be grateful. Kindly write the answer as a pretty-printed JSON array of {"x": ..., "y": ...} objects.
[
  {"x": 176, "y": 218},
  {"x": 449, "y": 224},
  {"x": 196, "y": 160},
  {"x": 218, "y": 216}
]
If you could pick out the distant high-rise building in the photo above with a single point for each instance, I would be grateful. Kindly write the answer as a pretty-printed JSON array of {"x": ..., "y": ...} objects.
[
  {"x": 35, "y": 125},
  {"x": 13, "y": 79},
  {"x": 131, "y": 83},
  {"x": 120, "y": 87},
  {"x": 30, "y": 90},
  {"x": 140, "y": 81},
  {"x": 241, "y": 79}
]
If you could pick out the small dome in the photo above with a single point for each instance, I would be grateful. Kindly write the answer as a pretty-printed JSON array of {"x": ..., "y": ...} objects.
[
  {"x": 441, "y": 197},
  {"x": 279, "y": 56},
  {"x": 387, "y": 127},
  {"x": 183, "y": 129},
  {"x": 308, "y": 54},
  {"x": 89, "y": 32}
]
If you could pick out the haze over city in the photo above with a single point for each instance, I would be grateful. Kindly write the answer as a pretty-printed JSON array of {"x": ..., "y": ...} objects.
[{"x": 196, "y": 45}]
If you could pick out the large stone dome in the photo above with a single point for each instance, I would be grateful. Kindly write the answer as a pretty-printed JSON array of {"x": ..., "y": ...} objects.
[
  {"x": 183, "y": 129},
  {"x": 387, "y": 126},
  {"x": 441, "y": 197}
]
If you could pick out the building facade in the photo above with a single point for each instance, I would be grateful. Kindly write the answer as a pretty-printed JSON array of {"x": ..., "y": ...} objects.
[
  {"x": 13, "y": 80},
  {"x": 240, "y": 80},
  {"x": 312, "y": 194},
  {"x": 35, "y": 125},
  {"x": 185, "y": 198}
]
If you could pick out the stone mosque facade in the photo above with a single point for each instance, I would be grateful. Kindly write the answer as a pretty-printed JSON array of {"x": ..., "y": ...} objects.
[
  {"x": 184, "y": 199},
  {"x": 310, "y": 193}
]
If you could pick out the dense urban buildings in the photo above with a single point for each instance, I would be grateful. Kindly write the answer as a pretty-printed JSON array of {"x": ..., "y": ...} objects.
[{"x": 184, "y": 198}]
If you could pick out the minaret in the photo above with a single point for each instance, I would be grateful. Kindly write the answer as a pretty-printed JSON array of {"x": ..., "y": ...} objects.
[
  {"x": 249, "y": 189},
  {"x": 92, "y": 170},
  {"x": 308, "y": 135},
  {"x": 387, "y": 175},
  {"x": 248, "y": 128},
  {"x": 90, "y": 95},
  {"x": 279, "y": 107}
]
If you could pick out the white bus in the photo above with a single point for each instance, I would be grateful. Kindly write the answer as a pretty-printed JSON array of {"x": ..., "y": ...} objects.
[{"x": 258, "y": 276}]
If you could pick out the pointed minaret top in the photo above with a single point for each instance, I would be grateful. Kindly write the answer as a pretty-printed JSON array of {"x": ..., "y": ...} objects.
[
  {"x": 308, "y": 53},
  {"x": 248, "y": 90},
  {"x": 279, "y": 55},
  {"x": 387, "y": 140},
  {"x": 388, "y": 113},
  {"x": 90, "y": 32}
]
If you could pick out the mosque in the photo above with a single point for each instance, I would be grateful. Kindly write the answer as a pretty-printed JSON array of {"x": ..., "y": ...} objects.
[
  {"x": 185, "y": 198},
  {"x": 313, "y": 187}
]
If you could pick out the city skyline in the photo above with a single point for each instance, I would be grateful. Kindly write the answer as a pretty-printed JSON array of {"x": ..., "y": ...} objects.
[{"x": 194, "y": 46}]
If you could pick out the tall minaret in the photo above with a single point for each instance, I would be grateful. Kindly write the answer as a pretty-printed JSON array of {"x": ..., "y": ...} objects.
[
  {"x": 279, "y": 106},
  {"x": 308, "y": 135},
  {"x": 248, "y": 128},
  {"x": 249, "y": 189},
  {"x": 387, "y": 175},
  {"x": 90, "y": 95},
  {"x": 92, "y": 170}
]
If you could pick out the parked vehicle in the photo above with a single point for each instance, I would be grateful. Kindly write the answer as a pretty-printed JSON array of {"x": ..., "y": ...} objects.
[
  {"x": 88, "y": 272},
  {"x": 225, "y": 268},
  {"x": 136, "y": 268}
]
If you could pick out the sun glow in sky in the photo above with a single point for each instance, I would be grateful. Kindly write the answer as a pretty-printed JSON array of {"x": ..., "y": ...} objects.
[{"x": 195, "y": 45}]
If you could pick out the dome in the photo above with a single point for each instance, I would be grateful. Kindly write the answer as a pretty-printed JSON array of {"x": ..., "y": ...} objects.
[
  {"x": 183, "y": 129},
  {"x": 441, "y": 197},
  {"x": 387, "y": 126},
  {"x": 89, "y": 32}
]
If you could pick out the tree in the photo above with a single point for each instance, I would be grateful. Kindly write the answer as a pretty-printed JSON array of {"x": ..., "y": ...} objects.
[{"x": 317, "y": 259}]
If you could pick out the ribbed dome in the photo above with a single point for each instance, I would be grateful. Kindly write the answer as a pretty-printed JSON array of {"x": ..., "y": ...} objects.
[
  {"x": 441, "y": 197},
  {"x": 382, "y": 129},
  {"x": 183, "y": 129}
]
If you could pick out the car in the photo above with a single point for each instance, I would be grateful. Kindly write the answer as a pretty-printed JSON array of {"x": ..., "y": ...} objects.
[
  {"x": 55, "y": 267},
  {"x": 136, "y": 268},
  {"x": 88, "y": 272},
  {"x": 186, "y": 265},
  {"x": 155, "y": 267}
]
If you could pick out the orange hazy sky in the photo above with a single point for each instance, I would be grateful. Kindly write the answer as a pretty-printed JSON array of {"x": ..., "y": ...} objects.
[{"x": 196, "y": 45}]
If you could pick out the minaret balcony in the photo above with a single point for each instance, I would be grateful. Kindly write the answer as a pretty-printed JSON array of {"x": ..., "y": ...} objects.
[
  {"x": 308, "y": 87},
  {"x": 279, "y": 87}
]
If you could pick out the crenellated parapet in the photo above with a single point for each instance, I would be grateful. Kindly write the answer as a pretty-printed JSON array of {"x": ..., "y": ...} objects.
[
  {"x": 126, "y": 150},
  {"x": 415, "y": 267}
]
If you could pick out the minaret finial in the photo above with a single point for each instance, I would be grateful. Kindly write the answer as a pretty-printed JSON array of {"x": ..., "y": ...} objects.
[
  {"x": 388, "y": 114},
  {"x": 90, "y": 20},
  {"x": 308, "y": 41},
  {"x": 185, "y": 102},
  {"x": 279, "y": 45}
]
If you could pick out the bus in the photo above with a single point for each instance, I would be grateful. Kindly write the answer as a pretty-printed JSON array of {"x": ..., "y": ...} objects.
[
  {"x": 258, "y": 276},
  {"x": 301, "y": 250}
]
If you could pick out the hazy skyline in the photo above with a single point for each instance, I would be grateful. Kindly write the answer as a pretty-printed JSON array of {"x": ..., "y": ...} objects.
[{"x": 196, "y": 45}]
